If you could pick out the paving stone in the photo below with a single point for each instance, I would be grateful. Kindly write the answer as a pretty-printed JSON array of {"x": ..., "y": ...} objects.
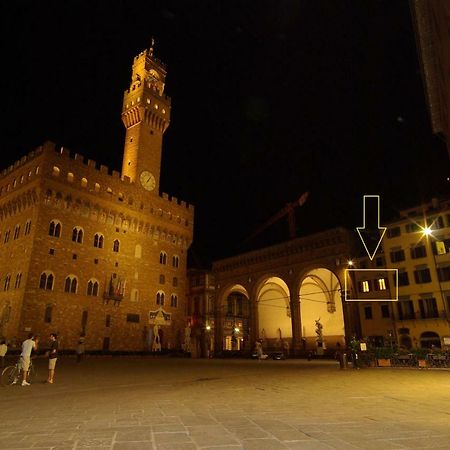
[
  {"x": 141, "y": 445},
  {"x": 262, "y": 444},
  {"x": 205, "y": 439}
]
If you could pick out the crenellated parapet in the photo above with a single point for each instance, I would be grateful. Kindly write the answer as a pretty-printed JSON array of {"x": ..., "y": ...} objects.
[{"x": 76, "y": 172}]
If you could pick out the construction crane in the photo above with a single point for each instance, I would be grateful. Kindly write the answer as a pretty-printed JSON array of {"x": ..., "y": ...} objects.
[{"x": 289, "y": 211}]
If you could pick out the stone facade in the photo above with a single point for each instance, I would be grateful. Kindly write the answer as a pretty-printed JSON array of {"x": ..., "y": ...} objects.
[{"x": 87, "y": 250}]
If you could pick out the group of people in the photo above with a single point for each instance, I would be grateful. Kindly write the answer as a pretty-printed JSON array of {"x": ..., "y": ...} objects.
[{"x": 30, "y": 345}]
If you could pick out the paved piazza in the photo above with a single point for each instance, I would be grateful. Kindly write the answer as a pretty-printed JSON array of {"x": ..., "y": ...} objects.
[{"x": 169, "y": 403}]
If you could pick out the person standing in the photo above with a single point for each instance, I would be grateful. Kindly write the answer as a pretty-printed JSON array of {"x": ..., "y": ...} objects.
[
  {"x": 258, "y": 350},
  {"x": 52, "y": 357},
  {"x": 28, "y": 346},
  {"x": 80, "y": 348},
  {"x": 3, "y": 350}
]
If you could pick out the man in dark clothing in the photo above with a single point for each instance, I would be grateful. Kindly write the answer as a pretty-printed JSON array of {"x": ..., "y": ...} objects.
[{"x": 52, "y": 357}]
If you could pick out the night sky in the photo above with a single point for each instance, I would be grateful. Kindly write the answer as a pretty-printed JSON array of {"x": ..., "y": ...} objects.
[{"x": 269, "y": 99}]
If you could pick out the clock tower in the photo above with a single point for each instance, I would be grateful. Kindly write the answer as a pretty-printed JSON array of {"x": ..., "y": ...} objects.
[{"x": 146, "y": 115}]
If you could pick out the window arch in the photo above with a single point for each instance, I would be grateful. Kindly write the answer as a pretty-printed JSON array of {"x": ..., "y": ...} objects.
[
  {"x": 7, "y": 281},
  {"x": 92, "y": 287},
  {"x": 18, "y": 280},
  {"x": 174, "y": 300},
  {"x": 16, "y": 232},
  {"x": 175, "y": 261},
  {"x": 77, "y": 235},
  {"x": 46, "y": 280},
  {"x": 429, "y": 339},
  {"x": 163, "y": 258},
  {"x": 160, "y": 298},
  {"x": 116, "y": 245},
  {"x": 98, "y": 240},
  {"x": 27, "y": 227},
  {"x": 6, "y": 239},
  {"x": 71, "y": 284},
  {"x": 55, "y": 228}
]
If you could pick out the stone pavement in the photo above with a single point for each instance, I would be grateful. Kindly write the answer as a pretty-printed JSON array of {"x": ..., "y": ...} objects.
[{"x": 167, "y": 403}]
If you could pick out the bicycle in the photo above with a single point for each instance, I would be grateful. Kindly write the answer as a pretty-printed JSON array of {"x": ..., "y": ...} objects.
[{"x": 13, "y": 374}]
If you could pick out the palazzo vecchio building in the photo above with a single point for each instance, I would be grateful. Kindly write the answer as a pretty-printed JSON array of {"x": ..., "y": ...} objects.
[{"x": 87, "y": 250}]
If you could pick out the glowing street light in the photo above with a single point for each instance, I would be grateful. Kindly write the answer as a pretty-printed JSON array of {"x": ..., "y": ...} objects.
[
  {"x": 350, "y": 262},
  {"x": 427, "y": 231}
]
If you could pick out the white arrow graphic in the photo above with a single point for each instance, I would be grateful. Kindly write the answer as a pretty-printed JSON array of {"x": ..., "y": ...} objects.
[{"x": 382, "y": 230}]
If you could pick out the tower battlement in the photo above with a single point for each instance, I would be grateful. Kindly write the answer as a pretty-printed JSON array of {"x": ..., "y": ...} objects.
[{"x": 61, "y": 163}]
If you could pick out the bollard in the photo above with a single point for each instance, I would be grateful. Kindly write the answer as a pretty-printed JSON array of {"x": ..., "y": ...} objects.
[{"x": 342, "y": 360}]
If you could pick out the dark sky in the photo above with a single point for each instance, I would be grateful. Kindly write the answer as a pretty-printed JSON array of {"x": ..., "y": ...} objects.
[{"x": 270, "y": 99}]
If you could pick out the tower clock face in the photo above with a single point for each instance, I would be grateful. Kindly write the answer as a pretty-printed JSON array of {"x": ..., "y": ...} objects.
[{"x": 147, "y": 180}]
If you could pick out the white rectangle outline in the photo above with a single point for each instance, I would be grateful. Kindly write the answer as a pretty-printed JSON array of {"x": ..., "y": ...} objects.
[{"x": 371, "y": 299}]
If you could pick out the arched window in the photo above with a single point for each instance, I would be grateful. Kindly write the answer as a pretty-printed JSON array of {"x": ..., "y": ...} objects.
[
  {"x": 48, "y": 314},
  {"x": 6, "y": 239},
  {"x": 17, "y": 232},
  {"x": 163, "y": 258},
  {"x": 174, "y": 300},
  {"x": 116, "y": 245},
  {"x": 138, "y": 251},
  {"x": 55, "y": 171},
  {"x": 162, "y": 279},
  {"x": 84, "y": 182},
  {"x": 46, "y": 280},
  {"x": 77, "y": 235},
  {"x": 27, "y": 227},
  {"x": 70, "y": 177},
  {"x": 71, "y": 284},
  {"x": 92, "y": 287},
  {"x": 98, "y": 240},
  {"x": 55, "y": 228},
  {"x": 429, "y": 339},
  {"x": 175, "y": 261},
  {"x": 160, "y": 298},
  {"x": 7, "y": 281},
  {"x": 96, "y": 187},
  {"x": 175, "y": 281},
  {"x": 18, "y": 280}
]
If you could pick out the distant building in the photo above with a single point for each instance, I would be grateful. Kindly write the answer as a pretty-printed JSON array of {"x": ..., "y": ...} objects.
[
  {"x": 200, "y": 311},
  {"x": 84, "y": 250},
  {"x": 421, "y": 316}
]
